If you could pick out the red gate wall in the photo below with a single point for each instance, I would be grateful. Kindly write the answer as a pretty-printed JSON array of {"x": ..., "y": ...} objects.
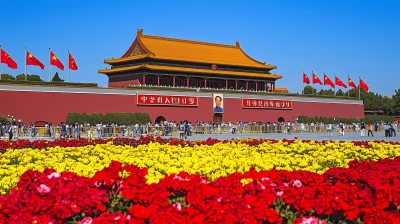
[{"x": 31, "y": 106}]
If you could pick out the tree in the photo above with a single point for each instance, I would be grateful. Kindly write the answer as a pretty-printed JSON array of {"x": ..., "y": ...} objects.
[
  {"x": 34, "y": 78},
  {"x": 309, "y": 90},
  {"x": 396, "y": 98},
  {"x": 29, "y": 78},
  {"x": 339, "y": 93},
  {"x": 7, "y": 77},
  {"x": 388, "y": 105},
  {"x": 57, "y": 78},
  {"x": 20, "y": 77}
]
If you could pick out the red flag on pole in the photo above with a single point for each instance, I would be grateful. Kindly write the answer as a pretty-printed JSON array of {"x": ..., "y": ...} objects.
[
  {"x": 315, "y": 79},
  {"x": 363, "y": 85},
  {"x": 351, "y": 84},
  {"x": 71, "y": 62},
  {"x": 55, "y": 61},
  {"x": 6, "y": 59},
  {"x": 306, "y": 80},
  {"x": 328, "y": 81},
  {"x": 339, "y": 82},
  {"x": 31, "y": 60}
]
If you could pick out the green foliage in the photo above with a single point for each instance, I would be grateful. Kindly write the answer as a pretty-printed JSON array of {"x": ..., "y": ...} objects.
[
  {"x": 20, "y": 77},
  {"x": 339, "y": 93},
  {"x": 56, "y": 78},
  {"x": 108, "y": 118},
  {"x": 330, "y": 120},
  {"x": 396, "y": 98},
  {"x": 29, "y": 77},
  {"x": 309, "y": 90},
  {"x": 3, "y": 120},
  {"x": 6, "y": 77}
]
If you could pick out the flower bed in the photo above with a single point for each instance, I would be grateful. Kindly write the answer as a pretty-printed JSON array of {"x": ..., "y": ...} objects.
[
  {"x": 211, "y": 158},
  {"x": 120, "y": 194},
  {"x": 156, "y": 180}
]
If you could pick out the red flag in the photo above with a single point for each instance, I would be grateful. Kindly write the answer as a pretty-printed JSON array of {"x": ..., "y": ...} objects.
[
  {"x": 306, "y": 80},
  {"x": 55, "y": 61},
  {"x": 71, "y": 62},
  {"x": 363, "y": 85},
  {"x": 315, "y": 79},
  {"x": 328, "y": 81},
  {"x": 351, "y": 84},
  {"x": 339, "y": 82},
  {"x": 6, "y": 59},
  {"x": 31, "y": 60}
]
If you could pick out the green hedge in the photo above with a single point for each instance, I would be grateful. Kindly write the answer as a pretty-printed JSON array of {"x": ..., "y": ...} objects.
[
  {"x": 328, "y": 120},
  {"x": 39, "y": 83},
  {"x": 3, "y": 120},
  {"x": 235, "y": 91},
  {"x": 108, "y": 118}
]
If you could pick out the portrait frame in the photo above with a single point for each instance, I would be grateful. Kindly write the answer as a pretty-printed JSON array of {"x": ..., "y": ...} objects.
[{"x": 220, "y": 109}]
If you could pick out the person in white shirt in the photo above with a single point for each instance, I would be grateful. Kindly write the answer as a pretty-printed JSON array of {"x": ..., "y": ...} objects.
[
  {"x": 99, "y": 127},
  {"x": 330, "y": 129}
]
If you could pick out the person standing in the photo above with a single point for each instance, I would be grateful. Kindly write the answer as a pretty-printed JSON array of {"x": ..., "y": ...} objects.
[
  {"x": 51, "y": 130},
  {"x": 330, "y": 130},
  {"x": 98, "y": 127},
  {"x": 370, "y": 130},
  {"x": 363, "y": 129},
  {"x": 10, "y": 132},
  {"x": 341, "y": 129},
  {"x": 76, "y": 128},
  {"x": 289, "y": 128}
]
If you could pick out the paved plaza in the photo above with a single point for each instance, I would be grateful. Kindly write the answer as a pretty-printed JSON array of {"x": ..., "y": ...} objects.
[{"x": 317, "y": 136}]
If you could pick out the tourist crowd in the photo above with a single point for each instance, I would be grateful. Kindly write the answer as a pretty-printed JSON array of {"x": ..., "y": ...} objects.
[{"x": 186, "y": 128}]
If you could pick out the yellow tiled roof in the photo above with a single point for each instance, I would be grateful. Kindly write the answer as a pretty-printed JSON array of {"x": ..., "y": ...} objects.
[
  {"x": 194, "y": 51},
  {"x": 281, "y": 89},
  {"x": 191, "y": 70}
]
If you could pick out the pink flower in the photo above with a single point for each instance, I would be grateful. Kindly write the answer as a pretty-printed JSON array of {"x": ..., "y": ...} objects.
[
  {"x": 219, "y": 199},
  {"x": 311, "y": 220},
  {"x": 43, "y": 189},
  {"x": 178, "y": 178},
  {"x": 265, "y": 179},
  {"x": 279, "y": 193},
  {"x": 54, "y": 175},
  {"x": 297, "y": 184},
  {"x": 177, "y": 205},
  {"x": 87, "y": 220},
  {"x": 286, "y": 184}
]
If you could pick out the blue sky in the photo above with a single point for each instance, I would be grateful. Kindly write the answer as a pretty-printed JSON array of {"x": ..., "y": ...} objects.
[{"x": 356, "y": 38}]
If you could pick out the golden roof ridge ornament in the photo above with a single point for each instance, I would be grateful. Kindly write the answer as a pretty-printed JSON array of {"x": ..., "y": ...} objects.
[
  {"x": 237, "y": 44},
  {"x": 139, "y": 32}
]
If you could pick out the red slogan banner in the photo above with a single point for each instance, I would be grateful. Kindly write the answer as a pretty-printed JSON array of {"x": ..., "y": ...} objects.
[
  {"x": 268, "y": 104},
  {"x": 188, "y": 101}
]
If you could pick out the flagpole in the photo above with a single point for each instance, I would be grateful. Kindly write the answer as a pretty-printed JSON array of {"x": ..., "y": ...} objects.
[
  {"x": 359, "y": 89},
  {"x": 49, "y": 66},
  {"x": 348, "y": 91},
  {"x": 0, "y": 61},
  {"x": 334, "y": 88},
  {"x": 26, "y": 66},
  {"x": 324, "y": 93},
  {"x": 69, "y": 78},
  {"x": 302, "y": 91}
]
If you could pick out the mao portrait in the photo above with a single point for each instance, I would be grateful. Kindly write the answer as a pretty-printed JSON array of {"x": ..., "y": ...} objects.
[{"x": 218, "y": 104}]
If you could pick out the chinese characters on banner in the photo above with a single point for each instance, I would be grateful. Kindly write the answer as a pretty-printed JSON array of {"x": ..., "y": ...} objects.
[
  {"x": 145, "y": 99},
  {"x": 267, "y": 104}
]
